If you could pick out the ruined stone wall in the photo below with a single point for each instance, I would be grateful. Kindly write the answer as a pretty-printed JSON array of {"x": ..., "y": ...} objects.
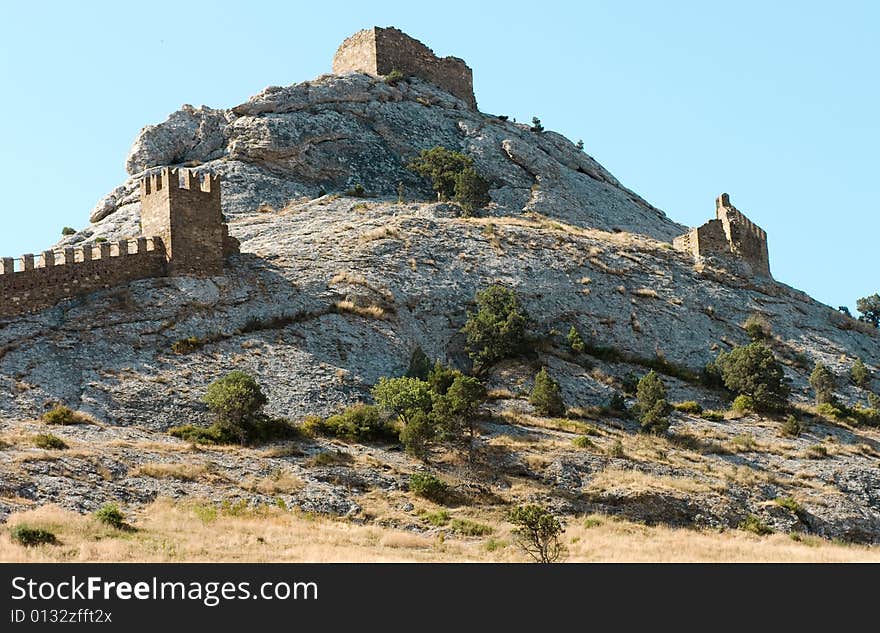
[
  {"x": 747, "y": 240},
  {"x": 188, "y": 218},
  {"x": 378, "y": 51},
  {"x": 42, "y": 282},
  {"x": 731, "y": 234}
]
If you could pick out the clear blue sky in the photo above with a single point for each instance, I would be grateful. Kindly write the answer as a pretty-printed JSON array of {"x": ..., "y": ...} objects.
[{"x": 777, "y": 103}]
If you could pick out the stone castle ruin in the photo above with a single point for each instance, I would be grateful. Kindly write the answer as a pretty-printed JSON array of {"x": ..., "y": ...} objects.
[
  {"x": 183, "y": 234},
  {"x": 378, "y": 51},
  {"x": 731, "y": 235}
]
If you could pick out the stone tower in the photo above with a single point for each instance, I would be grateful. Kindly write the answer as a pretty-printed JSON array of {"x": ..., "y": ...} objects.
[
  {"x": 378, "y": 51},
  {"x": 188, "y": 219},
  {"x": 731, "y": 235}
]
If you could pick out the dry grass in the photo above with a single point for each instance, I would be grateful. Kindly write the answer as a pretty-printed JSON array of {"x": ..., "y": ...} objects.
[
  {"x": 637, "y": 481},
  {"x": 176, "y": 532},
  {"x": 181, "y": 471},
  {"x": 368, "y": 312},
  {"x": 279, "y": 482},
  {"x": 648, "y": 293},
  {"x": 380, "y": 233}
]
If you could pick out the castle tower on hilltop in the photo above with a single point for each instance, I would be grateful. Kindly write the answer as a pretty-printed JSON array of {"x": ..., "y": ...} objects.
[
  {"x": 378, "y": 51},
  {"x": 188, "y": 219},
  {"x": 730, "y": 235}
]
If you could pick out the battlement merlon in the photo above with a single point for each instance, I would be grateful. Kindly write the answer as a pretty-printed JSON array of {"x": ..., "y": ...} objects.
[
  {"x": 169, "y": 178},
  {"x": 74, "y": 255}
]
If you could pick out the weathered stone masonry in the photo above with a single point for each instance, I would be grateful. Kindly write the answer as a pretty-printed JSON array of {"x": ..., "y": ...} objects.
[
  {"x": 184, "y": 234},
  {"x": 730, "y": 235},
  {"x": 378, "y": 51}
]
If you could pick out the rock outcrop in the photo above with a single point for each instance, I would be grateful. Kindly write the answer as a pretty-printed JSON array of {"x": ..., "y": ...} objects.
[{"x": 331, "y": 292}]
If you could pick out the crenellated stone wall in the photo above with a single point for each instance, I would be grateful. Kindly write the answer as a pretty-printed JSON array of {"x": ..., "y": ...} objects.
[
  {"x": 41, "y": 282},
  {"x": 183, "y": 234},
  {"x": 378, "y": 51},
  {"x": 730, "y": 235}
]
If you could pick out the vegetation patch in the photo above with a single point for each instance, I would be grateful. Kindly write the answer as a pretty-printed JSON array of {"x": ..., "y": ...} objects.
[
  {"x": 31, "y": 536},
  {"x": 64, "y": 416}
]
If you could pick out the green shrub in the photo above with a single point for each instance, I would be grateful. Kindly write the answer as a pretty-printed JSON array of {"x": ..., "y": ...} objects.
[
  {"x": 110, "y": 514},
  {"x": 546, "y": 395},
  {"x": 31, "y": 537},
  {"x": 617, "y": 402},
  {"x": 869, "y": 307},
  {"x": 653, "y": 407},
  {"x": 755, "y": 525},
  {"x": 471, "y": 191},
  {"x": 757, "y": 327},
  {"x": 823, "y": 383},
  {"x": 440, "y": 378},
  {"x": 688, "y": 406},
  {"x": 437, "y": 519},
  {"x": 859, "y": 374},
  {"x": 469, "y": 528},
  {"x": 403, "y": 397},
  {"x": 616, "y": 450},
  {"x": 358, "y": 423},
  {"x": 742, "y": 404},
  {"x": 498, "y": 329},
  {"x": 873, "y": 400},
  {"x": 357, "y": 191},
  {"x": 100, "y": 240},
  {"x": 394, "y": 77},
  {"x": 443, "y": 167},
  {"x": 712, "y": 416},
  {"x": 237, "y": 402},
  {"x": 455, "y": 412},
  {"x": 68, "y": 231},
  {"x": 829, "y": 410},
  {"x": 582, "y": 441},
  {"x": 49, "y": 442},
  {"x": 419, "y": 365},
  {"x": 792, "y": 427},
  {"x": 817, "y": 451},
  {"x": 428, "y": 487},
  {"x": 537, "y": 533},
  {"x": 419, "y": 434},
  {"x": 575, "y": 341},
  {"x": 753, "y": 371},
  {"x": 536, "y": 125},
  {"x": 202, "y": 435},
  {"x": 789, "y": 504},
  {"x": 62, "y": 415},
  {"x": 187, "y": 345}
]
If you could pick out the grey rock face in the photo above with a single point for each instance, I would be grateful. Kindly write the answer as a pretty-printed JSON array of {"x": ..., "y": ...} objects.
[{"x": 331, "y": 292}]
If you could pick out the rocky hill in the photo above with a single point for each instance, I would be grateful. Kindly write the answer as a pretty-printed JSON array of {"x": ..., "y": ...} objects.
[{"x": 332, "y": 292}]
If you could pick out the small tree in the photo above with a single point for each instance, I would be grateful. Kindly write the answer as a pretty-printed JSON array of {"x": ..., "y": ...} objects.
[
  {"x": 859, "y": 374},
  {"x": 757, "y": 327},
  {"x": 498, "y": 329},
  {"x": 580, "y": 145},
  {"x": 440, "y": 378},
  {"x": 546, "y": 395},
  {"x": 418, "y": 434},
  {"x": 575, "y": 341},
  {"x": 823, "y": 383},
  {"x": 455, "y": 413},
  {"x": 752, "y": 370},
  {"x": 442, "y": 166},
  {"x": 653, "y": 407},
  {"x": 537, "y": 533},
  {"x": 403, "y": 397},
  {"x": 419, "y": 365},
  {"x": 471, "y": 191},
  {"x": 536, "y": 125},
  {"x": 68, "y": 231},
  {"x": 869, "y": 307},
  {"x": 237, "y": 401}
]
